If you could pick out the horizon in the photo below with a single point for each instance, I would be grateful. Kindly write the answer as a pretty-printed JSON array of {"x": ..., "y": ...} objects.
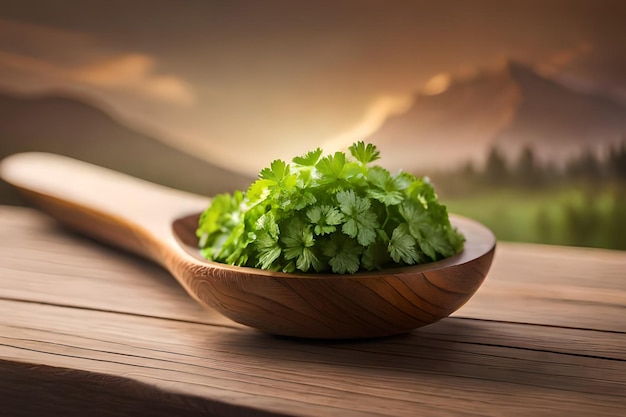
[
  {"x": 342, "y": 142},
  {"x": 215, "y": 79}
]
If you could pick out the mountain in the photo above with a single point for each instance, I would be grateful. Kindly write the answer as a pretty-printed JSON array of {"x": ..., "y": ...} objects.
[
  {"x": 510, "y": 107},
  {"x": 558, "y": 121},
  {"x": 71, "y": 126}
]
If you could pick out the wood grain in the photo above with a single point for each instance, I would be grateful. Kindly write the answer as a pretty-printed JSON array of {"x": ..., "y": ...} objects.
[
  {"x": 564, "y": 286},
  {"x": 144, "y": 218},
  {"x": 453, "y": 367},
  {"x": 90, "y": 330}
]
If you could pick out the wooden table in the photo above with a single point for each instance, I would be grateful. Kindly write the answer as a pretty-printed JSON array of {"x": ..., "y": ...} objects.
[{"x": 87, "y": 330}]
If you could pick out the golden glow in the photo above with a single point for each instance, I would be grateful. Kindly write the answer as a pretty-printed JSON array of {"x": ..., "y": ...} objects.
[
  {"x": 237, "y": 103},
  {"x": 437, "y": 85},
  {"x": 124, "y": 69},
  {"x": 135, "y": 71},
  {"x": 129, "y": 72},
  {"x": 374, "y": 117}
]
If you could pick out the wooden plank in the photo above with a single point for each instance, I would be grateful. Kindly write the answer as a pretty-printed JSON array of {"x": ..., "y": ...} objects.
[
  {"x": 85, "y": 325},
  {"x": 571, "y": 287},
  {"x": 552, "y": 285},
  {"x": 43, "y": 262},
  {"x": 454, "y": 367},
  {"x": 38, "y": 390}
]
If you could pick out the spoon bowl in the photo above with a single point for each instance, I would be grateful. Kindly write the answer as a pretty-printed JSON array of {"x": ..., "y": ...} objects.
[{"x": 159, "y": 223}]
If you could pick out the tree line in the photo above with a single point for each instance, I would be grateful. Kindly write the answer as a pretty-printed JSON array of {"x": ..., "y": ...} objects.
[
  {"x": 528, "y": 171},
  {"x": 596, "y": 217}
]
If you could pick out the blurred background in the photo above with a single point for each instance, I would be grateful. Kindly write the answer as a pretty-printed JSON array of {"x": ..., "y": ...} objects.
[{"x": 515, "y": 109}]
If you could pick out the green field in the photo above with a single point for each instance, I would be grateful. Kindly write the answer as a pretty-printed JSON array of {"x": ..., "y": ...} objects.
[{"x": 593, "y": 216}]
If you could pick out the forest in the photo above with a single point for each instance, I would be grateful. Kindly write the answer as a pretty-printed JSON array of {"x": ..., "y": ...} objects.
[{"x": 581, "y": 202}]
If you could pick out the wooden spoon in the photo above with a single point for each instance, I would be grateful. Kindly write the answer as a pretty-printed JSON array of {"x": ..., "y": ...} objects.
[{"x": 159, "y": 223}]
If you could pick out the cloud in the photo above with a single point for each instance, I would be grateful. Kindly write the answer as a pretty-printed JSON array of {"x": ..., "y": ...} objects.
[
  {"x": 563, "y": 58},
  {"x": 135, "y": 72},
  {"x": 437, "y": 84},
  {"x": 61, "y": 58},
  {"x": 375, "y": 115},
  {"x": 29, "y": 65},
  {"x": 38, "y": 37}
]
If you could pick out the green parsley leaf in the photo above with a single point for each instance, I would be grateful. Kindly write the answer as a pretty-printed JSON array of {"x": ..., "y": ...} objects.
[
  {"x": 332, "y": 167},
  {"x": 384, "y": 187},
  {"x": 360, "y": 222},
  {"x": 343, "y": 254},
  {"x": 298, "y": 241},
  {"x": 277, "y": 171},
  {"x": 402, "y": 245},
  {"x": 364, "y": 153},
  {"x": 331, "y": 212},
  {"x": 310, "y": 159},
  {"x": 267, "y": 241},
  {"x": 376, "y": 256},
  {"x": 325, "y": 218}
]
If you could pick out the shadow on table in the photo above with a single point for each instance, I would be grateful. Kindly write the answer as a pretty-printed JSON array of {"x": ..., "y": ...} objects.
[{"x": 457, "y": 351}]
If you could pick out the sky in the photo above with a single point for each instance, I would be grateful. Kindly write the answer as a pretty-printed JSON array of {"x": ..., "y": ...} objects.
[{"x": 240, "y": 83}]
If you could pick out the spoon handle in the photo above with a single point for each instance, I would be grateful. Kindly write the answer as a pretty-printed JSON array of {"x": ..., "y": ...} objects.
[{"x": 122, "y": 210}]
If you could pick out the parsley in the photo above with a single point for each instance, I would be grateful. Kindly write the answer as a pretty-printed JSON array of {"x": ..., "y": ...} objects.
[
  {"x": 360, "y": 220},
  {"x": 329, "y": 213}
]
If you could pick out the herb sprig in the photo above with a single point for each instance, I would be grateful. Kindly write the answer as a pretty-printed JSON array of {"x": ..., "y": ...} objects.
[{"x": 329, "y": 213}]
